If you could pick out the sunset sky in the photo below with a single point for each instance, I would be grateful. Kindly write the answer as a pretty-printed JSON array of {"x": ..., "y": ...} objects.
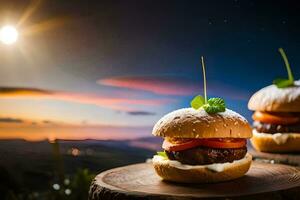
[{"x": 111, "y": 69}]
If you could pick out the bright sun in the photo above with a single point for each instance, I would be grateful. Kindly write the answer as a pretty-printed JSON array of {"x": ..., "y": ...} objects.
[{"x": 8, "y": 34}]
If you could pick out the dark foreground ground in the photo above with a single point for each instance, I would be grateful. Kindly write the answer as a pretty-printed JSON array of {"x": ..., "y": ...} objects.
[{"x": 63, "y": 169}]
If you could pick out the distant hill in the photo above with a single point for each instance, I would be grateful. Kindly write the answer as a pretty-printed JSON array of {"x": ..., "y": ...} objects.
[
  {"x": 151, "y": 143},
  {"x": 148, "y": 143}
]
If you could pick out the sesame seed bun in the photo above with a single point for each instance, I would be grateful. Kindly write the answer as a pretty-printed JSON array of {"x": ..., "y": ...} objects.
[
  {"x": 191, "y": 123},
  {"x": 267, "y": 143},
  {"x": 170, "y": 171},
  {"x": 273, "y": 99}
]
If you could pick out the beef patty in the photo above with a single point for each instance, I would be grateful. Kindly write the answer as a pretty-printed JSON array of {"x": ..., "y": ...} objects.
[
  {"x": 206, "y": 155},
  {"x": 276, "y": 128}
]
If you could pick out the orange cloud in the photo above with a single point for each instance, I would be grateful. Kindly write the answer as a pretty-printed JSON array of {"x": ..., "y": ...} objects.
[
  {"x": 157, "y": 85},
  {"x": 118, "y": 103},
  {"x": 42, "y": 131},
  {"x": 11, "y": 120},
  {"x": 15, "y": 91}
]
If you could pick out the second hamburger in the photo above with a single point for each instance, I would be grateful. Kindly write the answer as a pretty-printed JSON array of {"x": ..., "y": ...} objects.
[
  {"x": 276, "y": 118},
  {"x": 277, "y": 114}
]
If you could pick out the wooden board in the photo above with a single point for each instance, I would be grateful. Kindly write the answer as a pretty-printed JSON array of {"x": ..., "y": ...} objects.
[
  {"x": 263, "y": 181},
  {"x": 283, "y": 158}
]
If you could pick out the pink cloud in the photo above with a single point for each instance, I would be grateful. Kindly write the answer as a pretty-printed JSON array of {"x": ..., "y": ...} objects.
[
  {"x": 157, "y": 85},
  {"x": 179, "y": 86},
  {"x": 118, "y": 103}
]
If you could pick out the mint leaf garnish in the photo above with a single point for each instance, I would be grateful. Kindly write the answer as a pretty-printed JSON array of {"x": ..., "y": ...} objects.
[
  {"x": 162, "y": 154},
  {"x": 281, "y": 82},
  {"x": 215, "y": 105},
  {"x": 197, "y": 102},
  {"x": 212, "y": 105}
]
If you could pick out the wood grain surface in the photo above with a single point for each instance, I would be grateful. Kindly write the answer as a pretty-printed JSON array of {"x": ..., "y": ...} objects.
[
  {"x": 283, "y": 158},
  {"x": 139, "y": 181}
]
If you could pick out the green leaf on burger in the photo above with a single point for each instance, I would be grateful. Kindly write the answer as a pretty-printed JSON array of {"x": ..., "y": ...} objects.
[
  {"x": 197, "y": 102},
  {"x": 212, "y": 105},
  {"x": 162, "y": 154},
  {"x": 215, "y": 105},
  {"x": 282, "y": 82}
]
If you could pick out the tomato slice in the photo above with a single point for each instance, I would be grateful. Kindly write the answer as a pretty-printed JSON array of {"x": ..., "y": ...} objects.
[
  {"x": 180, "y": 146},
  {"x": 213, "y": 143},
  {"x": 274, "y": 118},
  {"x": 231, "y": 144}
]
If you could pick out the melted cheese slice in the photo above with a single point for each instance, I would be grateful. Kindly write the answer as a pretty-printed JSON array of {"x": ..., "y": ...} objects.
[
  {"x": 217, "y": 167},
  {"x": 279, "y": 138}
]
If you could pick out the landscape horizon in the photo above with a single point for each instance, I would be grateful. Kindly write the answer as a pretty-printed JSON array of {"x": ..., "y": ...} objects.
[{"x": 83, "y": 83}]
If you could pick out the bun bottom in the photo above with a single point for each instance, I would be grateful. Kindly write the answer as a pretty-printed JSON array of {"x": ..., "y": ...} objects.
[
  {"x": 264, "y": 142},
  {"x": 176, "y": 172}
]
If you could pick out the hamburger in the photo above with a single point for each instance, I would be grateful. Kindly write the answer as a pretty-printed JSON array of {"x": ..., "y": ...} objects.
[
  {"x": 202, "y": 146},
  {"x": 276, "y": 126}
]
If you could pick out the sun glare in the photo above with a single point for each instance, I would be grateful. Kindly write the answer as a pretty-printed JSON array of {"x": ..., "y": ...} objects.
[{"x": 8, "y": 34}]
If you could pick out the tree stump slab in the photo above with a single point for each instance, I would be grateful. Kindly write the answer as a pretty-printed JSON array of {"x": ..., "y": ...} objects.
[
  {"x": 282, "y": 158},
  {"x": 139, "y": 181}
]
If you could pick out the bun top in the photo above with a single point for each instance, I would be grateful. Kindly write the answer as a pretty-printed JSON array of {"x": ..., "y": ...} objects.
[
  {"x": 191, "y": 123},
  {"x": 273, "y": 99}
]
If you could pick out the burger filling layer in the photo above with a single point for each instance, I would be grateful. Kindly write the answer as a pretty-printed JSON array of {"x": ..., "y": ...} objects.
[
  {"x": 206, "y": 155},
  {"x": 215, "y": 167},
  {"x": 272, "y": 123},
  {"x": 276, "y": 128},
  {"x": 205, "y": 151}
]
